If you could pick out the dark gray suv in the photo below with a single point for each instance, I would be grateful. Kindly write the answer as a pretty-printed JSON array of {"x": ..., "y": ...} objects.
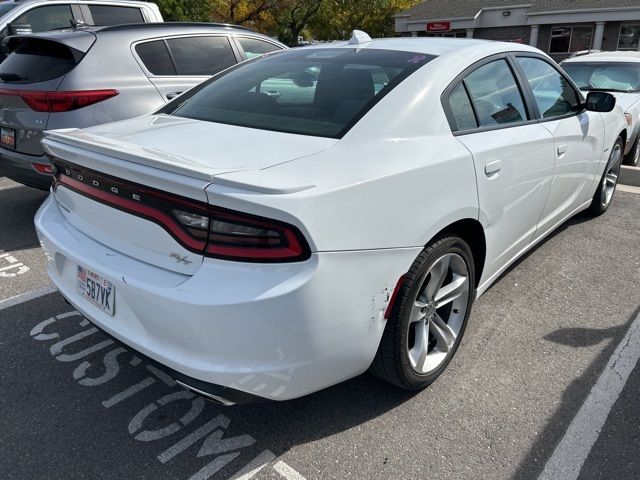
[{"x": 85, "y": 77}]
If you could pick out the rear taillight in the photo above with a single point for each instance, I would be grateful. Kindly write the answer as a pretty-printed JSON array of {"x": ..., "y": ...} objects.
[
  {"x": 55, "y": 102},
  {"x": 212, "y": 231},
  {"x": 236, "y": 236},
  {"x": 43, "y": 168}
]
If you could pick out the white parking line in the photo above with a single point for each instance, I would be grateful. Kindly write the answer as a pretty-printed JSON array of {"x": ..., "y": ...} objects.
[
  {"x": 251, "y": 469},
  {"x": 572, "y": 451},
  {"x": 25, "y": 297},
  {"x": 287, "y": 472}
]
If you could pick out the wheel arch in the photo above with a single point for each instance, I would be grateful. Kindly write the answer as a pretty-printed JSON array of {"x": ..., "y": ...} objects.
[
  {"x": 623, "y": 134},
  {"x": 472, "y": 232}
]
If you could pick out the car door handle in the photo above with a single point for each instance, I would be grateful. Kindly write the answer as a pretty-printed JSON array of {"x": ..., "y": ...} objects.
[
  {"x": 492, "y": 168},
  {"x": 562, "y": 149},
  {"x": 172, "y": 95}
]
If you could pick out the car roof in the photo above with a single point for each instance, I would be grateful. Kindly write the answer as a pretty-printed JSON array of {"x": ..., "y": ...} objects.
[
  {"x": 436, "y": 46},
  {"x": 82, "y": 38},
  {"x": 619, "y": 56}
]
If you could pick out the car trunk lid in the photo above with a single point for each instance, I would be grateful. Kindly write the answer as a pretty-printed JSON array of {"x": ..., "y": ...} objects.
[
  {"x": 156, "y": 161},
  {"x": 197, "y": 149}
]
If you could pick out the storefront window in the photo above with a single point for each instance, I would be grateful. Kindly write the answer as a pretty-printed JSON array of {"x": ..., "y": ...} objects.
[
  {"x": 629, "y": 37},
  {"x": 570, "y": 39}
]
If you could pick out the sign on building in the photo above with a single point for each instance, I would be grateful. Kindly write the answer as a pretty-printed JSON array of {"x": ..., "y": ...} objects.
[{"x": 439, "y": 27}]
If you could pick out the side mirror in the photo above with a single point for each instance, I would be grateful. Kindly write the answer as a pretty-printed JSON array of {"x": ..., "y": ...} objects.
[
  {"x": 600, "y": 102},
  {"x": 20, "y": 29}
]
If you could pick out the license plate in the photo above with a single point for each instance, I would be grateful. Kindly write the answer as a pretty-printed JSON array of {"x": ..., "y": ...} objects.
[
  {"x": 96, "y": 289},
  {"x": 8, "y": 137}
]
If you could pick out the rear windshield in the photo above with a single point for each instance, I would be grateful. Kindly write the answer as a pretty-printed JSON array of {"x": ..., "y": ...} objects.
[
  {"x": 319, "y": 92},
  {"x": 38, "y": 61},
  {"x": 613, "y": 76}
]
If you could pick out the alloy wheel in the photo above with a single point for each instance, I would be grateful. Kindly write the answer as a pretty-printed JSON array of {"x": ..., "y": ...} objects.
[
  {"x": 611, "y": 176},
  {"x": 437, "y": 313}
]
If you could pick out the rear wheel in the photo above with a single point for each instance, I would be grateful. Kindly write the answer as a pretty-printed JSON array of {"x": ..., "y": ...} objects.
[
  {"x": 609, "y": 181},
  {"x": 429, "y": 317}
]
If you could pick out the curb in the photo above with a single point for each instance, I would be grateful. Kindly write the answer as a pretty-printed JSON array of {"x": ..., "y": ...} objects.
[{"x": 630, "y": 176}]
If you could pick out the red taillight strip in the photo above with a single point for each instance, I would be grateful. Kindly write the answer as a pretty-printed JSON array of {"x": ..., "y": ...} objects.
[
  {"x": 130, "y": 206},
  {"x": 56, "y": 102},
  {"x": 156, "y": 206}
]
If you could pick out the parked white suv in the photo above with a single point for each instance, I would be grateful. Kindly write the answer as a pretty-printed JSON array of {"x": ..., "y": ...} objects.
[
  {"x": 618, "y": 73},
  {"x": 26, "y": 16}
]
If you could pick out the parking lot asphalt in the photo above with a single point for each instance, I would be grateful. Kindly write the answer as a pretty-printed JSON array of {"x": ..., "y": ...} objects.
[{"x": 77, "y": 406}]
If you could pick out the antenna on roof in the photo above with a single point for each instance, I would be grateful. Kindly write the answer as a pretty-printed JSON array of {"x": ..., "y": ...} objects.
[{"x": 358, "y": 37}]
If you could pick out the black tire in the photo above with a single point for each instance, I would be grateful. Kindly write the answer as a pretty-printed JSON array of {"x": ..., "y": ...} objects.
[
  {"x": 600, "y": 203},
  {"x": 392, "y": 359},
  {"x": 632, "y": 159}
]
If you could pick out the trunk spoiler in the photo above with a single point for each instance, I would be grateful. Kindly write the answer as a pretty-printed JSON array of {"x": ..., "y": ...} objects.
[{"x": 69, "y": 143}]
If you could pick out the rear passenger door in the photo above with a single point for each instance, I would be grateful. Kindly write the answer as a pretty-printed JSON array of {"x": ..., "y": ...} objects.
[
  {"x": 578, "y": 138},
  {"x": 176, "y": 64},
  {"x": 512, "y": 153}
]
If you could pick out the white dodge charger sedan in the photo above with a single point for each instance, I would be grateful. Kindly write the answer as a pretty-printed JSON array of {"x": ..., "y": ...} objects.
[{"x": 315, "y": 213}]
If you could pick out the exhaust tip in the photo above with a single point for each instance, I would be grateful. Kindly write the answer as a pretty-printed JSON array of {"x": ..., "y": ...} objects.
[{"x": 214, "y": 398}]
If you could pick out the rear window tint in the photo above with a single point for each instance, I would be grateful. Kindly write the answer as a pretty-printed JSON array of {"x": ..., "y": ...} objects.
[
  {"x": 50, "y": 17},
  {"x": 105, "y": 15},
  {"x": 201, "y": 55},
  {"x": 320, "y": 92},
  {"x": 254, "y": 48},
  {"x": 461, "y": 108},
  {"x": 38, "y": 61},
  {"x": 155, "y": 57},
  {"x": 495, "y": 94}
]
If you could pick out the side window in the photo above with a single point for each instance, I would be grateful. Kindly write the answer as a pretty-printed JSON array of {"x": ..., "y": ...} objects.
[
  {"x": 495, "y": 94},
  {"x": 155, "y": 57},
  {"x": 201, "y": 55},
  {"x": 107, "y": 15},
  {"x": 553, "y": 93},
  {"x": 42, "y": 19},
  {"x": 254, "y": 48},
  {"x": 461, "y": 108}
]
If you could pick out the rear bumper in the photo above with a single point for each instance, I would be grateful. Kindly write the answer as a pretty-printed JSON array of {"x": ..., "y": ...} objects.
[
  {"x": 272, "y": 331},
  {"x": 18, "y": 166},
  {"x": 216, "y": 393}
]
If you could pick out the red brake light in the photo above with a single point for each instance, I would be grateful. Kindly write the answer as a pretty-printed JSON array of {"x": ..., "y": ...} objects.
[{"x": 55, "y": 102}]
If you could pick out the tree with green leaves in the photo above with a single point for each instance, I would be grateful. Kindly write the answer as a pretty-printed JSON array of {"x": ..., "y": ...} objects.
[
  {"x": 242, "y": 11},
  {"x": 287, "y": 19},
  {"x": 294, "y": 16},
  {"x": 185, "y": 10},
  {"x": 337, "y": 18}
]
